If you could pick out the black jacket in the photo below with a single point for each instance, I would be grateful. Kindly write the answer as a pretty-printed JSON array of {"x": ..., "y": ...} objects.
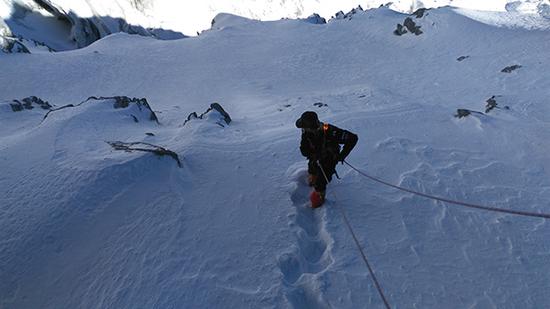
[{"x": 324, "y": 144}]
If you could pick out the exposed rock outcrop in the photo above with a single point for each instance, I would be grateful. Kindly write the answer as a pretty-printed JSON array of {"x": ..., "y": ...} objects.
[
  {"x": 511, "y": 68},
  {"x": 221, "y": 115},
  {"x": 420, "y": 12},
  {"x": 138, "y": 109},
  {"x": 348, "y": 15},
  {"x": 29, "y": 103},
  {"x": 409, "y": 25},
  {"x": 316, "y": 19},
  {"x": 492, "y": 104},
  {"x": 462, "y": 112}
]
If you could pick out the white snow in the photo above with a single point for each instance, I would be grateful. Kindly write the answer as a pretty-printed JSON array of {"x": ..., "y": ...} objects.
[
  {"x": 190, "y": 17},
  {"x": 85, "y": 226}
]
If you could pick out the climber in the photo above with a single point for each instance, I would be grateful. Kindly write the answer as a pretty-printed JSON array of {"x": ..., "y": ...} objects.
[{"x": 320, "y": 144}]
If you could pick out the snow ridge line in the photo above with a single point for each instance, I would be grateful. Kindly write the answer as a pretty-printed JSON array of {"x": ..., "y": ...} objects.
[
  {"x": 358, "y": 244},
  {"x": 441, "y": 199}
]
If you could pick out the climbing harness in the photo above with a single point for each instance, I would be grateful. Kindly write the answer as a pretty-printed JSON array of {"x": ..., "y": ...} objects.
[
  {"x": 346, "y": 221},
  {"x": 441, "y": 199}
]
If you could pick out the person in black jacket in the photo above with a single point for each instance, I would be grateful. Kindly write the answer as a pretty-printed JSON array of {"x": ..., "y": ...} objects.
[{"x": 320, "y": 144}]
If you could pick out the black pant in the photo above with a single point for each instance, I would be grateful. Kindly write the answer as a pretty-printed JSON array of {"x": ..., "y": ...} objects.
[{"x": 329, "y": 166}]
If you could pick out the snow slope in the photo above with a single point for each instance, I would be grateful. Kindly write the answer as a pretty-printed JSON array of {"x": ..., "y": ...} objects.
[
  {"x": 191, "y": 17},
  {"x": 83, "y": 225}
]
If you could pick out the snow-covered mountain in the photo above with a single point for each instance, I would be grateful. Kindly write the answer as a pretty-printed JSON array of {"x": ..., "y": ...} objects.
[
  {"x": 63, "y": 25},
  {"x": 67, "y": 24},
  {"x": 123, "y": 186}
]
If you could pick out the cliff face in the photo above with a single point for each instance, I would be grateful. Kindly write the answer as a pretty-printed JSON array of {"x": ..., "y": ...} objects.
[{"x": 43, "y": 25}]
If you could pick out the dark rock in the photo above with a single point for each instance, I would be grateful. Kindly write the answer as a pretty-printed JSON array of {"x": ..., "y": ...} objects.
[
  {"x": 400, "y": 30},
  {"x": 511, "y": 68},
  {"x": 149, "y": 134},
  {"x": 339, "y": 15},
  {"x": 420, "y": 12},
  {"x": 219, "y": 108},
  {"x": 316, "y": 19},
  {"x": 320, "y": 104},
  {"x": 491, "y": 104},
  {"x": 124, "y": 102},
  {"x": 460, "y": 113},
  {"x": 118, "y": 102},
  {"x": 213, "y": 107},
  {"x": 462, "y": 58},
  {"x": 349, "y": 15},
  {"x": 29, "y": 103},
  {"x": 16, "y": 107},
  {"x": 411, "y": 26}
]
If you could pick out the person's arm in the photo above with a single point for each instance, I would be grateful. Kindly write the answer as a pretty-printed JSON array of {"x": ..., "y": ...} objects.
[
  {"x": 346, "y": 138},
  {"x": 305, "y": 148}
]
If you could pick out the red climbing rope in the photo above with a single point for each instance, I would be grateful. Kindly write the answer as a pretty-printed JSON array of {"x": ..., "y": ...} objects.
[
  {"x": 371, "y": 271},
  {"x": 441, "y": 199}
]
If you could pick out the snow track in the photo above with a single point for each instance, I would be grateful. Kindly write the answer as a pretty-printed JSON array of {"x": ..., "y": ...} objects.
[
  {"x": 303, "y": 267},
  {"x": 83, "y": 225}
]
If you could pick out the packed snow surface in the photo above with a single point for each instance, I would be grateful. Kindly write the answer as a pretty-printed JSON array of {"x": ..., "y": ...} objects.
[{"x": 83, "y": 225}]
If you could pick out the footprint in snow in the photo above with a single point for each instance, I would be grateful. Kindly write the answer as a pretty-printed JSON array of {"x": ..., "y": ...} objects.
[{"x": 311, "y": 257}]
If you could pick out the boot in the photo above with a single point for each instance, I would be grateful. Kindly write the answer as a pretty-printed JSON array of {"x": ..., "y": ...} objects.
[
  {"x": 317, "y": 198},
  {"x": 311, "y": 179}
]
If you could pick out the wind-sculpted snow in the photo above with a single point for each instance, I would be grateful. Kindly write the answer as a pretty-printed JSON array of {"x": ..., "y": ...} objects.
[{"x": 86, "y": 224}]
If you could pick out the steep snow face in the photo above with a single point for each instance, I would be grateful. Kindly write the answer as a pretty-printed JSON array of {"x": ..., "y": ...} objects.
[
  {"x": 84, "y": 223},
  {"x": 68, "y": 25}
]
